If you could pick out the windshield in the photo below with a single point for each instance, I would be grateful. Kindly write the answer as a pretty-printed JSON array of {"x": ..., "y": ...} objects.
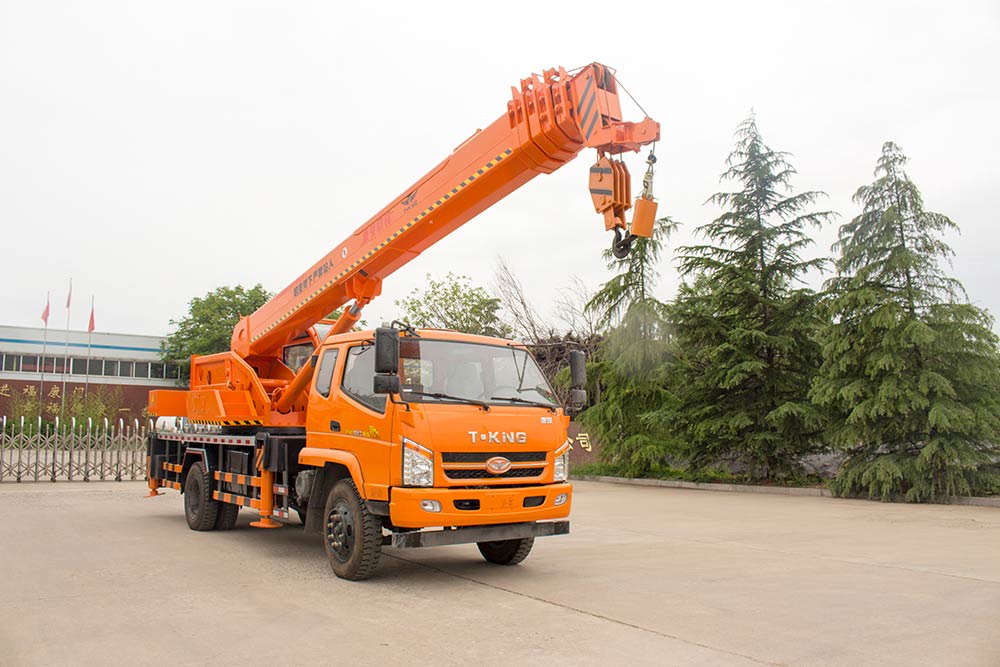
[{"x": 470, "y": 371}]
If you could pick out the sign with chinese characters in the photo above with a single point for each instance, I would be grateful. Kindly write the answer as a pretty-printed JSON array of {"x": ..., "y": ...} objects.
[{"x": 583, "y": 440}]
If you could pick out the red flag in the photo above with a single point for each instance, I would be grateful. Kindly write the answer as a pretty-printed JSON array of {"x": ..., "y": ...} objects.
[
  {"x": 90, "y": 327},
  {"x": 45, "y": 313},
  {"x": 69, "y": 297}
]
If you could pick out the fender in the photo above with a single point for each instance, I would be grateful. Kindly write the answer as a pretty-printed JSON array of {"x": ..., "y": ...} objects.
[
  {"x": 192, "y": 454},
  {"x": 318, "y": 457}
]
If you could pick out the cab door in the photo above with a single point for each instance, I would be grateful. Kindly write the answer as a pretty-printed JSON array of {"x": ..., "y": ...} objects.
[{"x": 346, "y": 414}]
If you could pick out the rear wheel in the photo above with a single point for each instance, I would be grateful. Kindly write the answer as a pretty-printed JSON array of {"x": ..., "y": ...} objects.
[
  {"x": 506, "y": 552},
  {"x": 199, "y": 508},
  {"x": 226, "y": 519},
  {"x": 352, "y": 536}
]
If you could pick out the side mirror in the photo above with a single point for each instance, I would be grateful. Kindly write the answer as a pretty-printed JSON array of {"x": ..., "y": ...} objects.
[
  {"x": 577, "y": 399},
  {"x": 386, "y": 350},
  {"x": 388, "y": 384},
  {"x": 578, "y": 370}
]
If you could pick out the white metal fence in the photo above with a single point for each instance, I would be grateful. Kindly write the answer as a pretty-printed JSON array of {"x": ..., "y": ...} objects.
[{"x": 36, "y": 451}]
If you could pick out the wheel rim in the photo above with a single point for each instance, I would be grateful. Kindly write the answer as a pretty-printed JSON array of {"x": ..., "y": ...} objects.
[
  {"x": 192, "y": 498},
  {"x": 340, "y": 531}
]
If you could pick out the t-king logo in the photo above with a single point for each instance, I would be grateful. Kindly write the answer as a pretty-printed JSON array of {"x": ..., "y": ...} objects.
[{"x": 519, "y": 437}]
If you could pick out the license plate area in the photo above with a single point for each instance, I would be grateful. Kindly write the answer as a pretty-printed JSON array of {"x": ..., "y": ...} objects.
[{"x": 497, "y": 502}]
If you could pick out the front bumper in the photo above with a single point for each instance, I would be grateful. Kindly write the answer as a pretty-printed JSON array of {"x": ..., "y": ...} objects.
[
  {"x": 489, "y": 506},
  {"x": 469, "y": 534}
]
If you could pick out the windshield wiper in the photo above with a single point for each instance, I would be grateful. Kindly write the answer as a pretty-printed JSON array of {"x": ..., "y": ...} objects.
[
  {"x": 471, "y": 401},
  {"x": 542, "y": 390},
  {"x": 514, "y": 399}
]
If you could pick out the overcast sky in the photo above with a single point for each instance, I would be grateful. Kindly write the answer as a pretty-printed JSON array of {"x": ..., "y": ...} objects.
[{"x": 154, "y": 151}]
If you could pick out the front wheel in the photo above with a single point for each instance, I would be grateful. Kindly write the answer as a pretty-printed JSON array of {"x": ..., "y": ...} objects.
[
  {"x": 352, "y": 536},
  {"x": 506, "y": 552}
]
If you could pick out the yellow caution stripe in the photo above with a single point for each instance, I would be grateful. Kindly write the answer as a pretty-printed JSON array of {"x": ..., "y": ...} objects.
[
  {"x": 236, "y": 499},
  {"x": 234, "y": 478},
  {"x": 227, "y": 422}
]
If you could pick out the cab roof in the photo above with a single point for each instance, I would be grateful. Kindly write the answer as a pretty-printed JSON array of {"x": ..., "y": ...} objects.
[{"x": 430, "y": 334}]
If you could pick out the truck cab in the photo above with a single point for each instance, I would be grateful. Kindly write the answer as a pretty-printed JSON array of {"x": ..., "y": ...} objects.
[{"x": 467, "y": 437}]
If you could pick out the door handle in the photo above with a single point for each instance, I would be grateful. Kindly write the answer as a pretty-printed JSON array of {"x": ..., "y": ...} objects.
[{"x": 335, "y": 426}]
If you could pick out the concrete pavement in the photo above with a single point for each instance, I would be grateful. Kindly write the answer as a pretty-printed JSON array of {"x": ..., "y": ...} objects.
[{"x": 95, "y": 574}]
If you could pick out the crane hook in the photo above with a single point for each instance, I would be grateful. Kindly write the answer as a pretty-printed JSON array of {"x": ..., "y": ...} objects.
[{"x": 622, "y": 245}]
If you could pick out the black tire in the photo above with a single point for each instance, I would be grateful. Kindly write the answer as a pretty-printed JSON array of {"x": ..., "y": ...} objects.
[
  {"x": 199, "y": 508},
  {"x": 506, "y": 552},
  {"x": 228, "y": 513},
  {"x": 352, "y": 536}
]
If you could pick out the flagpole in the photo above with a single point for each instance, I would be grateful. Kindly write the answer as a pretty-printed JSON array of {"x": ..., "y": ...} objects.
[
  {"x": 69, "y": 301},
  {"x": 90, "y": 335}
]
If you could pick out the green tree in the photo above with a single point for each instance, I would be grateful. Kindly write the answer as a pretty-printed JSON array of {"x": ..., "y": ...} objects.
[
  {"x": 24, "y": 403},
  {"x": 454, "y": 303},
  {"x": 97, "y": 403},
  {"x": 628, "y": 378},
  {"x": 629, "y": 382},
  {"x": 746, "y": 324},
  {"x": 911, "y": 371},
  {"x": 208, "y": 326},
  {"x": 634, "y": 277}
]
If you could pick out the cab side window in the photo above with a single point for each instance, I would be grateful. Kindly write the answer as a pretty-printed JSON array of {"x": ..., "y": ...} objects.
[
  {"x": 359, "y": 377},
  {"x": 324, "y": 376}
]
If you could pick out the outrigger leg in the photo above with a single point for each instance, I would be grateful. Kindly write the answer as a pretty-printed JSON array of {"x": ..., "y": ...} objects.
[
  {"x": 154, "y": 484},
  {"x": 266, "y": 500}
]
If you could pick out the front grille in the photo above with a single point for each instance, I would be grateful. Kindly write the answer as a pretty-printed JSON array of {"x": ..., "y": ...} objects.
[
  {"x": 482, "y": 457},
  {"x": 482, "y": 474}
]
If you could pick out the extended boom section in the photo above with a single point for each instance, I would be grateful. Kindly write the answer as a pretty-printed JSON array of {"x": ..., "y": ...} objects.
[{"x": 550, "y": 118}]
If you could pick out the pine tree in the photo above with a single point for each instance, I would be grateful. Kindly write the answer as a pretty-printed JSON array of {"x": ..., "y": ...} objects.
[
  {"x": 629, "y": 374},
  {"x": 634, "y": 276},
  {"x": 911, "y": 371},
  {"x": 744, "y": 322}
]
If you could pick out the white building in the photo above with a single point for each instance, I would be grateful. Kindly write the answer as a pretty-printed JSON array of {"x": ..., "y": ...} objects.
[{"x": 121, "y": 359}]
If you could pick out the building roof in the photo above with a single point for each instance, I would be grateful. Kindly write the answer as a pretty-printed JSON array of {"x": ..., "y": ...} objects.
[{"x": 31, "y": 340}]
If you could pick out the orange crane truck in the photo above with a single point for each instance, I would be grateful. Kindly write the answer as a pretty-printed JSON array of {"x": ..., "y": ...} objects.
[{"x": 399, "y": 436}]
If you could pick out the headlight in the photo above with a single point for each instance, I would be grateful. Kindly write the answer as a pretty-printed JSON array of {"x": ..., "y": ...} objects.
[
  {"x": 418, "y": 464},
  {"x": 561, "y": 472}
]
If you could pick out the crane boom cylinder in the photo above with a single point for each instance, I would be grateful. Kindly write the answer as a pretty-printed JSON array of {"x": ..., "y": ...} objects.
[{"x": 284, "y": 399}]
